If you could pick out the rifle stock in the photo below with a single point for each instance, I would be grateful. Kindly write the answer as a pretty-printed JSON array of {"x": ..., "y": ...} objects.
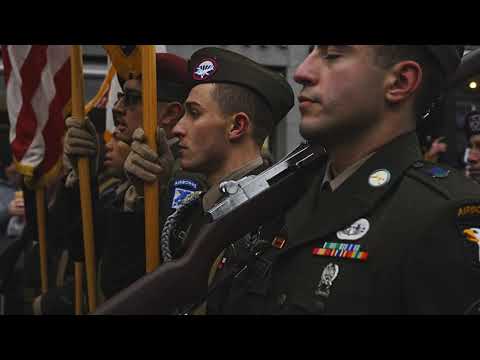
[{"x": 184, "y": 281}]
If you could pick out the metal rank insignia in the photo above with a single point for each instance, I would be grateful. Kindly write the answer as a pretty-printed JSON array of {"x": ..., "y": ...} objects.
[{"x": 329, "y": 274}]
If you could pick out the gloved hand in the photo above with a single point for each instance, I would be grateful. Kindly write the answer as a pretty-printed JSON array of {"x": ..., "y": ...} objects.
[
  {"x": 144, "y": 165},
  {"x": 130, "y": 198},
  {"x": 80, "y": 140}
]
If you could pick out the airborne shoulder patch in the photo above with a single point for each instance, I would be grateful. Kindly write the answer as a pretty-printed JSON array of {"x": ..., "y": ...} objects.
[
  {"x": 468, "y": 210},
  {"x": 181, "y": 189},
  {"x": 468, "y": 224}
]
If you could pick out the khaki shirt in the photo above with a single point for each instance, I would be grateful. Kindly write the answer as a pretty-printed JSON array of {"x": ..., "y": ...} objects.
[{"x": 339, "y": 179}]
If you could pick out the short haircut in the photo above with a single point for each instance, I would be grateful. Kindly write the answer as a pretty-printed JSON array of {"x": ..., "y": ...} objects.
[
  {"x": 232, "y": 98},
  {"x": 434, "y": 81}
]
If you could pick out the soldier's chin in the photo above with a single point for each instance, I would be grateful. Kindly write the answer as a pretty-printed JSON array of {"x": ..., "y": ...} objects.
[
  {"x": 187, "y": 165},
  {"x": 312, "y": 132}
]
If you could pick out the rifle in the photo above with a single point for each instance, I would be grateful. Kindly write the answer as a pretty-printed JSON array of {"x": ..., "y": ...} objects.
[{"x": 185, "y": 280}]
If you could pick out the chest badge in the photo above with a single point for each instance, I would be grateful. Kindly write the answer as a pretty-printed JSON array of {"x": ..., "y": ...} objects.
[
  {"x": 329, "y": 274},
  {"x": 379, "y": 178},
  {"x": 355, "y": 231}
]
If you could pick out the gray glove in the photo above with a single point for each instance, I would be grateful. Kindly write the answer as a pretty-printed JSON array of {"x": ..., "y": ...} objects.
[
  {"x": 80, "y": 140},
  {"x": 144, "y": 164},
  {"x": 130, "y": 199}
]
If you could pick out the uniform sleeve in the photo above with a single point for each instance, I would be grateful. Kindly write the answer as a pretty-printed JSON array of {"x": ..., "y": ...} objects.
[
  {"x": 65, "y": 229},
  {"x": 442, "y": 272},
  {"x": 123, "y": 259}
]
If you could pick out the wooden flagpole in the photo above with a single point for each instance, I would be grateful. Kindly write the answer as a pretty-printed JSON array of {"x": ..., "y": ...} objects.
[
  {"x": 149, "y": 90},
  {"x": 78, "y": 287},
  {"x": 84, "y": 177},
  {"x": 41, "y": 220}
]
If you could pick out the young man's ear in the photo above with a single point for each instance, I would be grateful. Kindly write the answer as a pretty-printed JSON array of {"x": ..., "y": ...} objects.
[
  {"x": 239, "y": 126},
  {"x": 403, "y": 80},
  {"x": 170, "y": 113}
]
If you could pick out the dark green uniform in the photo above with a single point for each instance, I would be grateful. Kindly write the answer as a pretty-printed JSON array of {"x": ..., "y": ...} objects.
[{"x": 406, "y": 253}]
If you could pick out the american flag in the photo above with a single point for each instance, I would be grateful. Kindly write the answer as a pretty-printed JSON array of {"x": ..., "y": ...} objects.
[{"x": 38, "y": 84}]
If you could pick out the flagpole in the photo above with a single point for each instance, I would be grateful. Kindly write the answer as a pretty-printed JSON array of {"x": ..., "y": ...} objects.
[
  {"x": 84, "y": 177},
  {"x": 40, "y": 201},
  {"x": 149, "y": 90},
  {"x": 78, "y": 288}
]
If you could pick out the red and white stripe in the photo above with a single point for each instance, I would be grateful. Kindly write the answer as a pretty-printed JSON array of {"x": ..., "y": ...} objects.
[{"x": 38, "y": 84}]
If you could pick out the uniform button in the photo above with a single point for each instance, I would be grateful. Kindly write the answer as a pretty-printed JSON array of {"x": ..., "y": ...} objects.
[
  {"x": 418, "y": 164},
  {"x": 282, "y": 299}
]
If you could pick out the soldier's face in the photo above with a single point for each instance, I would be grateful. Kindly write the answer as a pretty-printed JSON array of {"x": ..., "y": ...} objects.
[
  {"x": 202, "y": 131},
  {"x": 472, "y": 169},
  {"x": 474, "y": 153},
  {"x": 343, "y": 91},
  {"x": 115, "y": 155},
  {"x": 127, "y": 111}
]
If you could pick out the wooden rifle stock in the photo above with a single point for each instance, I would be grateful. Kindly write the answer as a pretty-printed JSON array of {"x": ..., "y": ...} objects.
[{"x": 185, "y": 280}]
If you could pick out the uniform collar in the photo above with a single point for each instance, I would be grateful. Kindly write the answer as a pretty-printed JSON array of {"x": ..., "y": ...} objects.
[
  {"x": 337, "y": 210},
  {"x": 338, "y": 180}
]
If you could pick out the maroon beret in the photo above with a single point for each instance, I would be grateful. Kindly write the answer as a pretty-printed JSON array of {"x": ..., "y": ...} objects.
[
  {"x": 173, "y": 82},
  {"x": 172, "y": 77}
]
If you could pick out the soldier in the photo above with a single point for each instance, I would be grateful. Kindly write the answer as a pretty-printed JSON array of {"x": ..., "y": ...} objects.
[
  {"x": 233, "y": 105},
  {"x": 472, "y": 156},
  {"x": 380, "y": 231},
  {"x": 113, "y": 185}
]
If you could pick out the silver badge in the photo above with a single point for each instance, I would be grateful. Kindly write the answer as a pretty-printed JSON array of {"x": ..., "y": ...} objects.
[
  {"x": 355, "y": 231},
  {"x": 329, "y": 274},
  {"x": 205, "y": 69}
]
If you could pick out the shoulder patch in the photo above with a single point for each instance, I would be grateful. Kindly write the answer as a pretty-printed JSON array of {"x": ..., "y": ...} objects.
[
  {"x": 186, "y": 184},
  {"x": 468, "y": 210},
  {"x": 178, "y": 197},
  {"x": 468, "y": 224},
  {"x": 181, "y": 189}
]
